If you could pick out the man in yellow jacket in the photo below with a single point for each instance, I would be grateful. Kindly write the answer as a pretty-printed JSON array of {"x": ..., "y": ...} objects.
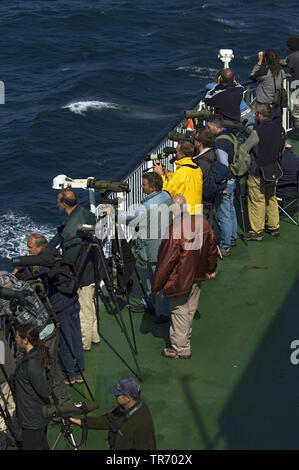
[{"x": 186, "y": 180}]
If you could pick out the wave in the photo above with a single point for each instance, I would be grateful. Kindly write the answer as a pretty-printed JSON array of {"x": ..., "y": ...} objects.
[
  {"x": 82, "y": 107},
  {"x": 203, "y": 72},
  {"x": 232, "y": 23},
  {"x": 14, "y": 232}
]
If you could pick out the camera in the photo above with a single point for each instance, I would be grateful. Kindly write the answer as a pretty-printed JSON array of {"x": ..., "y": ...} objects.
[{"x": 154, "y": 157}]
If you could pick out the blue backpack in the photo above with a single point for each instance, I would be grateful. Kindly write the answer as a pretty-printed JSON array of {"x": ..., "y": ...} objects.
[{"x": 216, "y": 180}]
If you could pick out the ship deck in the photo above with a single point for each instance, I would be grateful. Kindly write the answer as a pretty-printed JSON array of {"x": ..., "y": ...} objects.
[{"x": 240, "y": 389}]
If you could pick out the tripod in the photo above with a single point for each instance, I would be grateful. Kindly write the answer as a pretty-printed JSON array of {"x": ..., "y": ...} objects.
[
  {"x": 66, "y": 432},
  {"x": 13, "y": 431},
  {"x": 95, "y": 247},
  {"x": 38, "y": 286},
  {"x": 239, "y": 196}
]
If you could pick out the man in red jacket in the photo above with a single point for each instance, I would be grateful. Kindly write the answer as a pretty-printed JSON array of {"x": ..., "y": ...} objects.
[{"x": 187, "y": 257}]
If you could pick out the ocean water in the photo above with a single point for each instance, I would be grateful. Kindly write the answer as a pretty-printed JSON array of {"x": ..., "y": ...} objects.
[{"x": 90, "y": 84}]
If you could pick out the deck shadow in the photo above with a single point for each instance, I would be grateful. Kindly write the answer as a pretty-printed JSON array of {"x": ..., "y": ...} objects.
[{"x": 263, "y": 411}]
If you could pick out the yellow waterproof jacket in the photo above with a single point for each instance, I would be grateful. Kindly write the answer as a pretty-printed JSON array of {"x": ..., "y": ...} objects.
[{"x": 187, "y": 182}]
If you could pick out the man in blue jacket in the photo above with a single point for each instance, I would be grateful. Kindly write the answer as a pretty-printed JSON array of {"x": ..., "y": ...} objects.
[
  {"x": 152, "y": 217},
  {"x": 66, "y": 309}
]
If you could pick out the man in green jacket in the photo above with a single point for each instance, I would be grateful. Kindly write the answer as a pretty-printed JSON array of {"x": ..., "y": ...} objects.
[
  {"x": 130, "y": 425},
  {"x": 71, "y": 247}
]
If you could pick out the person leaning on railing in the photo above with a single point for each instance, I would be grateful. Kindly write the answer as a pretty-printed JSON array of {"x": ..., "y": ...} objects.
[{"x": 270, "y": 76}]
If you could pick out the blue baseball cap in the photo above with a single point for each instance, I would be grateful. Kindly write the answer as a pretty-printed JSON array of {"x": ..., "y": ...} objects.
[{"x": 128, "y": 386}]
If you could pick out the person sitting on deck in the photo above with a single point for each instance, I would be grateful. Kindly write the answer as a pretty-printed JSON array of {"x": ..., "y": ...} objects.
[{"x": 287, "y": 186}]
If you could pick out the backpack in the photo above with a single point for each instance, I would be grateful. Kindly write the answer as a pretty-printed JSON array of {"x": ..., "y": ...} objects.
[
  {"x": 27, "y": 310},
  {"x": 216, "y": 180},
  {"x": 241, "y": 158}
]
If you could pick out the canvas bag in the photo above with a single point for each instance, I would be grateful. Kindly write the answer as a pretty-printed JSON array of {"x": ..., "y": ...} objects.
[
  {"x": 280, "y": 95},
  {"x": 241, "y": 158}
]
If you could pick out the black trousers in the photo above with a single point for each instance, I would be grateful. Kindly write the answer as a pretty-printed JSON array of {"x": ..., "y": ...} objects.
[{"x": 35, "y": 439}]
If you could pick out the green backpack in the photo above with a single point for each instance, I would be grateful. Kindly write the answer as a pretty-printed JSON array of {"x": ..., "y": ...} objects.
[{"x": 241, "y": 158}]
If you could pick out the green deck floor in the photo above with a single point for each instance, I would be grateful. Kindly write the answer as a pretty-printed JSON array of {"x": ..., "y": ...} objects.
[{"x": 239, "y": 390}]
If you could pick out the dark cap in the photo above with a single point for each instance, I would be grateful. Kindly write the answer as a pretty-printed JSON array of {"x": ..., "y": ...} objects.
[{"x": 128, "y": 386}]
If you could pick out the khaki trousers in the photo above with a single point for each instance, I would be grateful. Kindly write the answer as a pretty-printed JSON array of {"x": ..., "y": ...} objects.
[
  {"x": 262, "y": 204},
  {"x": 183, "y": 308},
  {"x": 88, "y": 318}
]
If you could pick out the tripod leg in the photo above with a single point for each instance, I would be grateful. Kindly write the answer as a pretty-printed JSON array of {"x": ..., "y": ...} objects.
[
  {"x": 116, "y": 303},
  {"x": 56, "y": 441},
  {"x": 75, "y": 360},
  {"x": 131, "y": 322},
  {"x": 147, "y": 299}
]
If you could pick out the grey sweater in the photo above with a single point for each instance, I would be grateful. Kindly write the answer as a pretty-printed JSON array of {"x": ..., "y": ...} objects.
[{"x": 265, "y": 90}]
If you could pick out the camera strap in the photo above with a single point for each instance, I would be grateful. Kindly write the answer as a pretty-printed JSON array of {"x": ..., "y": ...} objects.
[{"x": 190, "y": 166}]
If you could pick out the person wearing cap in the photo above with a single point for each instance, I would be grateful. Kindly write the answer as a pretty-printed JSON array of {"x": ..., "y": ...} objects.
[{"x": 130, "y": 425}]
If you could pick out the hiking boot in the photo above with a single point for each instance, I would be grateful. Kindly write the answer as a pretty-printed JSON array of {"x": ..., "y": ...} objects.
[
  {"x": 78, "y": 379},
  {"x": 171, "y": 354},
  {"x": 252, "y": 236},
  {"x": 224, "y": 252},
  {"x": 273, "y": 233},
  {"x": 71, "y": 381}
]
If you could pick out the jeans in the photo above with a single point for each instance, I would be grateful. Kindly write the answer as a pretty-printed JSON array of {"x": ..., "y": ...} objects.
[
  {"x": 226, "y": 215},
  {"x": 158, "y": 302},
  {"x": 72, "y": 348}
]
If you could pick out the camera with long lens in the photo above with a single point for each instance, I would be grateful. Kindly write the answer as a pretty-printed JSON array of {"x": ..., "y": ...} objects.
[
  {"x": 104, "y": 186},
  {"x": 153, "y": 157},
  {"x": 205, "y": 114},
  {"x": 69, "y": 409}
]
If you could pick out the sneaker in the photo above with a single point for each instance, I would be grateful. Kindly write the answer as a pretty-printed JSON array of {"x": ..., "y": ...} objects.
[
  {"x": 252, "y": 236},
  {"x": 273, "y": 233},
  {"x": 233, "y": 243},
  {"x": 224, "y": 252},
  {"x": 71, "y": 381},
  {"x": 78, "y": 379},
  {"x": 171, "y": 354},
  {"x": 162, "y": 319}
]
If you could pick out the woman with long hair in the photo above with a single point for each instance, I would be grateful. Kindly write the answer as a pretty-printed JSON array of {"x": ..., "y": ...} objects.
[
  {"x": 31, "y": 387},
  {"x": 269, "y": 75}
]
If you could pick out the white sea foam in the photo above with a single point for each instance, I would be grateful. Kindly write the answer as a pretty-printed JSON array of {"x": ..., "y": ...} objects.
[
  {"x": 81, "y": 107},
  {"x": 14, "y": 231},
  {"x": 231, "y": 23},
  {"x": 204, "y": 72}
]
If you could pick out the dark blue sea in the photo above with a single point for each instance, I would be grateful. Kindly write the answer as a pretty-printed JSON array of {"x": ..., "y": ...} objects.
[{"x": 89, "y": 85}]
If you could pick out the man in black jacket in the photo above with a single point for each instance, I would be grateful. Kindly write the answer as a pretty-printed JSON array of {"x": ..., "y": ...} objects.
[
  {"x": 130, "y": 425},
  {"x": 268, "y": 142},
  {"x": 226, "y": 96},
  {"x": 71, "y": 246},
  {"x": 205, "y": 155}
]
